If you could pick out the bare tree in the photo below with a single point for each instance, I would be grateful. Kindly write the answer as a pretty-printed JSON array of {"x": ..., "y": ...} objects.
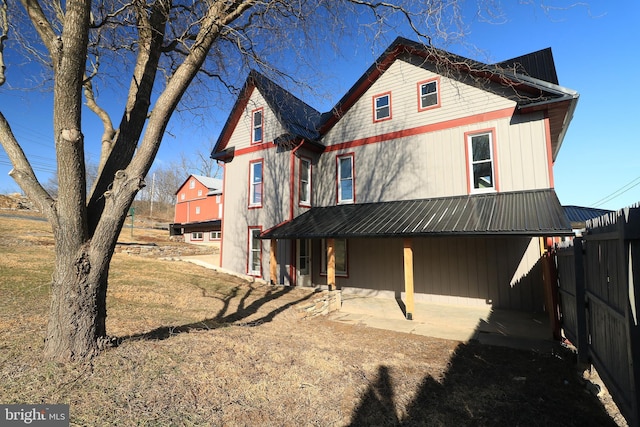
[
  {"x": 200, "y": 162},
  {"x": 164, "y": 46}
]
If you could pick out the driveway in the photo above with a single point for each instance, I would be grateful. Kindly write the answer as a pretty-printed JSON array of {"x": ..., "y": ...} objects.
[{"x": 527, "y": 331}]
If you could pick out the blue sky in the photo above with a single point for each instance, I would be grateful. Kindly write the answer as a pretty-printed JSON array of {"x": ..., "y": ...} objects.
[{"x": 595, "y": 51}]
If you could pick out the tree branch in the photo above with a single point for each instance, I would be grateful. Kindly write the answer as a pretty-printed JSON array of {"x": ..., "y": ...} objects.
[
  {"x": 4, "y": 31},
  {"x": 42, "y": 26},
  {"x": 22, "y": 171}
]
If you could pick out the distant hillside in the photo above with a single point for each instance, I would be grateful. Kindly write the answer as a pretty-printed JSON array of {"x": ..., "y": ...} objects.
[
  {"x": 16, "y": 201},
  {"x": 157, "y": 216}
]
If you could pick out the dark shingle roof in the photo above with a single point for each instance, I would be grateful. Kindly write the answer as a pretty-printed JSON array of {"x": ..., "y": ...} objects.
[
  {"x": 297, "y": 117},
  {"x": 526, "y": 213}
]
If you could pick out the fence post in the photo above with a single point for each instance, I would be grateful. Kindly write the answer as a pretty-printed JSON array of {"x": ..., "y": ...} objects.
[
  {"x": 581, "y": 303},
  {"x": 631, "y": 243}
]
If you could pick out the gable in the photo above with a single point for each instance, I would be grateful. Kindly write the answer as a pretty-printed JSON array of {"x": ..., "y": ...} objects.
[
  {"x": 240, "y": 134},
  {"x": 457, "y": 100},
  {"x": 530, "y": 94}
]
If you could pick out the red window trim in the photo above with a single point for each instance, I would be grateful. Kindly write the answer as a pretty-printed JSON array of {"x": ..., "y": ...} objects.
[
  {"x": 302, "y": 203},
  {"x": 353, "y": 178},
  {"x": 494, "y": 159},
  {"x": 373, "y": 106},
  {"x": 430, "y": 107},
  {"x": 261, "y": 109},
  {"x": 249, "y": 229},
  {"x": 251, "y": 163}
]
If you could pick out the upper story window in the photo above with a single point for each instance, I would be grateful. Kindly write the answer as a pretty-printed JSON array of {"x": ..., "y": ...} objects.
[
  {"x": 197, "y": 210},
  {"x": 481, "y": 162},
  {"x": 382, "y": 107},
  {"x": 257, "y": 125},
  {"x": 199, "y": 192},
  {"x": 192, "y": 184},
  {"x": 346, "y": 178},
  {"x": 182, "y": 196},
  {"x": 305, "y": 182},
  {"x": 428, "y": 94},
  {"x": 255, "y": 184}
]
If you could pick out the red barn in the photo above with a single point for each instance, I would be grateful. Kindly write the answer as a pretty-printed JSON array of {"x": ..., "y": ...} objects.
[{"x": 198, "y": 211}]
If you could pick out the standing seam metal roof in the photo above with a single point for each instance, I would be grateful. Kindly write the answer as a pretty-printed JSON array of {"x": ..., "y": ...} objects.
[{"x": 525, "y": 213}]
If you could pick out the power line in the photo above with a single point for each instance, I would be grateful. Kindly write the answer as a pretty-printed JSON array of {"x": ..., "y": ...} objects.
[{"x": 620, "y": 191}]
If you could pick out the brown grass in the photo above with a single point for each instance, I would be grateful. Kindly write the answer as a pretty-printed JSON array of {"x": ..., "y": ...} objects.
[{"x": 202, "y": 348}]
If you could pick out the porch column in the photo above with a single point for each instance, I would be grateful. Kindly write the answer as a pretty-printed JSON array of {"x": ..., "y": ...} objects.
[
  {"x": 331, "y": 265},
  {"x": 273, "y": 262},
  {"x": 408, "y": 277}
]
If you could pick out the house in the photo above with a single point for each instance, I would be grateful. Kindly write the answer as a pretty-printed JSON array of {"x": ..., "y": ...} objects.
[
  {"x": 432, "y": 178},
  {"x": 198, "y": 210}
]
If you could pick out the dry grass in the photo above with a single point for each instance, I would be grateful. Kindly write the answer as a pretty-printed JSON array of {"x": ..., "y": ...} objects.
[{"x": 202, "y": 348}]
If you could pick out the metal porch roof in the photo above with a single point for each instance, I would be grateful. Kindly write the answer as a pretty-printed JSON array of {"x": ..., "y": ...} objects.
[{"x": 526, "y": 213}]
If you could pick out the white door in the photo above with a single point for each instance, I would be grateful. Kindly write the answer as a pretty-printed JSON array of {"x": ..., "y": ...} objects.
[{"x": 303, "y": 255}]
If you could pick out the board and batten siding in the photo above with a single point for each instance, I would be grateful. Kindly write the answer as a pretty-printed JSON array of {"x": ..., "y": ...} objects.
[
  {"x": 431, "y": 162},
  {"x": 498, "y": 271},
  {"x": 434, "y": 164},
  {"x": 275, "y": 199},
  {"x": 458, "y": 100},
  {"x": 241, "y": 136}
]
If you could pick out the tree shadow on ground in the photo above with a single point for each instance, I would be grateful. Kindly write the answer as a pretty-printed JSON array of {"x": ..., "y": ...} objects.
[
  {"x": 225, "y": 316},
  {"x": 488, "y": 385}
]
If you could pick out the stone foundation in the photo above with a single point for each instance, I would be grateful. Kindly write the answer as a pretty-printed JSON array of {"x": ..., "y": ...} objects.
[
  {"x": 164, "y": 251},
  {"x": 321, "y": 304}
]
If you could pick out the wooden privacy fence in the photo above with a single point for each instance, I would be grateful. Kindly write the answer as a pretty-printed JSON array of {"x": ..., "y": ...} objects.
[{"x": 599, "y": 303}]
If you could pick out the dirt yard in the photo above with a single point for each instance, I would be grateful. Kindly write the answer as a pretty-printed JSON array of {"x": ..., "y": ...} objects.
[{"x": 197, "y": 347}]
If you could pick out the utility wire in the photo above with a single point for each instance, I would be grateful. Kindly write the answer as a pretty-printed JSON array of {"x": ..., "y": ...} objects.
[{"x": 620, "y": 191}]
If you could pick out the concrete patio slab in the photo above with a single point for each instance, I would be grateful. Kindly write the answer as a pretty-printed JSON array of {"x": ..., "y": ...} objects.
[{"x": 527, "y": 331}]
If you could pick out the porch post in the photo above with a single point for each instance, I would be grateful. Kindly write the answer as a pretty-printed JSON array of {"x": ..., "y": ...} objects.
[
  {"x": 273, "y": 262},
  {"x": 408, "y": 277},
  {"x": 331, "y": 265}
]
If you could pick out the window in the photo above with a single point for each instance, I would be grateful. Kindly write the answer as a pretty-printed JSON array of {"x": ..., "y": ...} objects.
[
  {"x": 303, "y": 256},
  {"x": 480, "y": 158},
  {"x": 257, "y": 125},
  {"x": 197, "y": 210},
  {"x": 214, "y": 235},
  {"x": 192, "y": 184},
  {"x": 340, "y": 253},
  {"x": 305, "y": 182},
  {"x": 428, "y": 96},
  {"x": 382, "y": 107},
  {"x": 196, "y": 235},
  {"x": 346, "y": 193},
  {"x": 255, "y": 184},
  {"x": 199, "y": 192},
  {"x": 254, "y": 267},
  {"x": 182, "y": 196}
]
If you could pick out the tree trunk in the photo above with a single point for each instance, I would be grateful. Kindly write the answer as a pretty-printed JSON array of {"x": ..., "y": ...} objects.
[
  {"x": 77, "y": 329},
  {"x": 77, "y": 320}
]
